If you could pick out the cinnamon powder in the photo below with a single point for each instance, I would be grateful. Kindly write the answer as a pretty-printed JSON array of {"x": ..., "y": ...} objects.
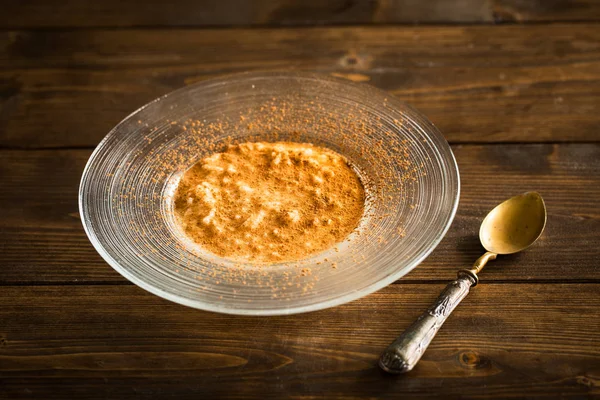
[{"x": 269, "y": 202}]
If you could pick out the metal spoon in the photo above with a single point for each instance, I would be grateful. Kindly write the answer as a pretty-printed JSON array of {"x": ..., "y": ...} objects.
[{"x": 509, "y": 228}]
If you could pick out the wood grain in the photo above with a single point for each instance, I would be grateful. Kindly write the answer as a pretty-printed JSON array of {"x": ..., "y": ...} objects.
[
  {"x": 135, "y": 13},
  {"x": 477, "y": 84},
  {"x": 43, "y": 240},
  {"x": 546, "y": 11},
  {"x": 121, "y": 342},
  {"x": 229, "y": 13}
]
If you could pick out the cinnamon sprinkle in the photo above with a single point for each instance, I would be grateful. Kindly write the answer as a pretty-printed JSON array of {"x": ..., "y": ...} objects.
[{"x": 269, "y": 202}]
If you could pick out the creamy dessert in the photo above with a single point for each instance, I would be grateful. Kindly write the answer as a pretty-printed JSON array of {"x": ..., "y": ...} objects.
[{"x": 269, "y": 202}]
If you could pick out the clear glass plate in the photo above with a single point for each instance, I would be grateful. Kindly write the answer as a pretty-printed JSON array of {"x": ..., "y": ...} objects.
[{"x": 407, "y": 167}]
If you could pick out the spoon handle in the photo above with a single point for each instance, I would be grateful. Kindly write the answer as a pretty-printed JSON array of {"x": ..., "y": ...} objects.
[{"x": 403, "y": 354}]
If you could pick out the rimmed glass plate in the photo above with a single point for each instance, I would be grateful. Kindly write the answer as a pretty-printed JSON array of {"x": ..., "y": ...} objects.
[{"x": 406, "y": 165}]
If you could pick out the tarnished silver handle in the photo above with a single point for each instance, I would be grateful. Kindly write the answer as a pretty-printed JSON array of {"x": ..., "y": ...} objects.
[{"x": 403, "y": 354}]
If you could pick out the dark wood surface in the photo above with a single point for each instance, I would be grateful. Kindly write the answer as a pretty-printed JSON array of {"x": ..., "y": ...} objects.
[
  {"x": 545, "y": 10},
  {"x": 513, "y": 84},
  {"x": 544, "y": 82},
  {"x": 507, "y": 340},
  {"x": 135, "y": 13}
]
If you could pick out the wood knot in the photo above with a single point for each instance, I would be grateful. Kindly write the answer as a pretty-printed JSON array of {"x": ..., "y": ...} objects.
[
  {"x": 353, "y": 60},
  {"x": 3, "y": 341},
  {"x": 586, "y": 381},
  {"x": 470, "y": 359}
]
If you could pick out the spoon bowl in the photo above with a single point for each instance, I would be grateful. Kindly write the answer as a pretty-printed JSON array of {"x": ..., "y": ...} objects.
[{"x": 514, "y": 225}]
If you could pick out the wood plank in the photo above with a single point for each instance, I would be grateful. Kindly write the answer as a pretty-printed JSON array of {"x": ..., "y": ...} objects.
[
  {"x": 43, "y": 241},
  {"x": 210, "y": 13},
  {"x": 476, "y": 83},
  {"x": 547, "y": 11},
  {"x": 120, "y": 342},
  {"x": 132, "y": 13}
]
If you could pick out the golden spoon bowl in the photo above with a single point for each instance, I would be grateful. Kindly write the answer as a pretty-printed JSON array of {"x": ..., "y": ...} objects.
[{"x": 514, "y": 224}]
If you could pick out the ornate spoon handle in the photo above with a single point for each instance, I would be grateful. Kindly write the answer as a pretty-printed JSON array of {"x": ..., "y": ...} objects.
[{"x": 404, "y": 353}]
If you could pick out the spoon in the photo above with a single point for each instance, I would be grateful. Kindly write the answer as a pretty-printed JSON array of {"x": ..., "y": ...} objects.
[{"x": 512, "y": 226}]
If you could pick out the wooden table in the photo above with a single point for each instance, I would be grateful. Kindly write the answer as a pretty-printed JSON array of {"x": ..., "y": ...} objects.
[{"x": 515, "y": 87}]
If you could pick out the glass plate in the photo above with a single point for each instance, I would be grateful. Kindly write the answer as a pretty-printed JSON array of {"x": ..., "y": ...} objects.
[{"x": 406, "y": 165}]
